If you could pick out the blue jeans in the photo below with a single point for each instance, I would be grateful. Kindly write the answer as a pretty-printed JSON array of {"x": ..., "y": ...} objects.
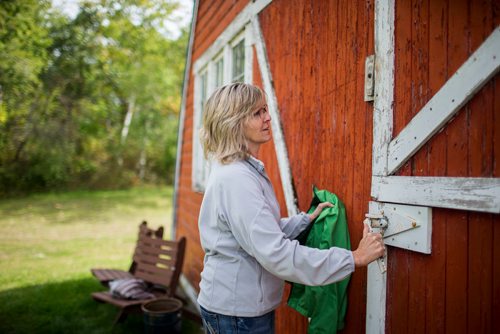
[{"x": 215, "y": 323}]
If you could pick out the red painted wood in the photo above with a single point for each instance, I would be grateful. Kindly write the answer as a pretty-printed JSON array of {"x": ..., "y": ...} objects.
[
  {"x": 456, "y": 162},
  {"x": 480, "y": 164},
  {"x": 417, "y": 286},
  {"x": 316, "y": 52},
  {"x": 314, "y": 86},
  {"x": 435, "y": 301},
  {"x": 459, "y": 242}
]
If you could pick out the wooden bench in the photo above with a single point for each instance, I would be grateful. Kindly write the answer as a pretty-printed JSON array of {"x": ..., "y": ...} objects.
[
  {"x": 159, "y": 263},
  {"x": 105, "y": 275}
]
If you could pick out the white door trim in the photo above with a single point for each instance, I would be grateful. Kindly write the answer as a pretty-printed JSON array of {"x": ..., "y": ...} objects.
[
  {"x": 382, "y": 135},
  {"x": 462, "y": 193}
]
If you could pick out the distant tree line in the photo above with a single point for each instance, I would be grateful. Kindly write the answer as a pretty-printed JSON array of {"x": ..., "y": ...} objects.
[{"x": 90, "y": 101}]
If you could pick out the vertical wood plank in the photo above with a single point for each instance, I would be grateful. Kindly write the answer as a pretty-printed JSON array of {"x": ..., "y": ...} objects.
[
  {"x": 496, "y": 173},
  {"x": 398, "y": 292},
  {"x": 362, "y": 120},
  {"x": 341, "y": 108},
  {"x": 456, "y": 165},
  {"x": 420, "y": 65},
  {"x": 435, "y": 301},
  {"x": 495, "y": 325},
  {"x": 480, "y": 164}
]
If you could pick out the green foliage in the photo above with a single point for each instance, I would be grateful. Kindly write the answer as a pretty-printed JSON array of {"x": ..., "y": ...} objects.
[{"x": 69, "y": 85}]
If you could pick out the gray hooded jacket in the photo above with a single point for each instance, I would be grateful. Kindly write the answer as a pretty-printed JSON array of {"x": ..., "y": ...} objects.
[{"x": 249, "y": 250}]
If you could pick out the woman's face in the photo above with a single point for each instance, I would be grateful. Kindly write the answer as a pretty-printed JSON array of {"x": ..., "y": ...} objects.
[{"x": 257, "y": 128}]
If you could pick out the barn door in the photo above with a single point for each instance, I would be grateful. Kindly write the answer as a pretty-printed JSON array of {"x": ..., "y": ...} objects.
[{"x": 402, "y": 206}]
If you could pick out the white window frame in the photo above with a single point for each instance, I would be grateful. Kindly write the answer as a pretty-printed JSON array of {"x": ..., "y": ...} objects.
[
  {"x": 199, "y": 167},
  {"x": 220, "y": 50}
]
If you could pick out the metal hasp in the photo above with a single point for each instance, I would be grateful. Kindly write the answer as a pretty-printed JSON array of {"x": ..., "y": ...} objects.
[
  {"x": 378, "y": 223},
  {"x": 407, "y": 226}
]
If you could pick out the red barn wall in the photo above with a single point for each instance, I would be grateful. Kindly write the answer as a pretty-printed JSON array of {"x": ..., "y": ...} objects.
[{"x": 316, "y": 52}]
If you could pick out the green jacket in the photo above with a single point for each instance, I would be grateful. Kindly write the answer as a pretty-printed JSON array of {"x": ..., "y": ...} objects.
[{"x": 325, "y": 305}]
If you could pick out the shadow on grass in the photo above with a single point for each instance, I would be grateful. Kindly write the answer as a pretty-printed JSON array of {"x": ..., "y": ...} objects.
[{"x": 65, "y": 307}]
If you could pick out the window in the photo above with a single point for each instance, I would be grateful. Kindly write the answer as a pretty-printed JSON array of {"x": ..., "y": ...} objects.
[
  {"x": 200, "y": 165},
  {"x": 238, "y": 72},
  {"x": 219, "y": 72},
  {"x": 230, "y": 62}
]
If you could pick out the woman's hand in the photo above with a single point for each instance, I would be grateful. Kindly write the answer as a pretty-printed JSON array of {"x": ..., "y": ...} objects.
[
  {"x": 370, "y": 248},
  {"x": 318, "y": 210}
]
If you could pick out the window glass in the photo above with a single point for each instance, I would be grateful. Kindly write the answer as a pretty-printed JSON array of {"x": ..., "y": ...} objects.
[
  {"x": 204, "y": 88},
  {"x": 238, "y": 73},
  {"x": 219, "y": 72}
]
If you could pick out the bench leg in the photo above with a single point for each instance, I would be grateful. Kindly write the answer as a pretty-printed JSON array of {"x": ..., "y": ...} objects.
[{"x": 120, "y": 317}]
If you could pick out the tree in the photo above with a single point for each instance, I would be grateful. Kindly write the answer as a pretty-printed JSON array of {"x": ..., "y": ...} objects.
[{"x": 67, "y": 120}]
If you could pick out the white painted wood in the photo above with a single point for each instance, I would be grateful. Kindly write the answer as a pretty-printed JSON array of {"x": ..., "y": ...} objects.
[
  {"x": 236, "y": 26},
  {"x": 182, "y": 115},
  {"x": 463, "y": 193},
  {"x": 228, "y": 62},
  {"x": 197, "y": 170},
  {"x": 189, "y": 291},
  {"x": 400, "y": 218},
  {"x": 235, "y": 41},
  {"x": 249, "y": 53},
  {"x": 384, "y": 84},
  {"x": 455, "y": 93},
  {"x": 382, "y": 134},
  {"x": 375, "y": 299},
  {"x": 272, "y": 102}
]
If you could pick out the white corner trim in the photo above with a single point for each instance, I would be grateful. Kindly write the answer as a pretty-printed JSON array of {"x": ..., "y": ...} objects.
[
  {"x": 483, "y": 64},
  {"x": 462, "y": 193},
  {"x": 245, "y": 16},
  {"x": 384, "y": 84},
  {"x": 189, "y": 291},
  {"x": 376, "y": 295},
  {"x": 272, "y": 102}
]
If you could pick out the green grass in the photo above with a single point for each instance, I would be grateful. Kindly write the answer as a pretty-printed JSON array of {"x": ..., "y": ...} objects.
[{"x": 49, "y": 242}]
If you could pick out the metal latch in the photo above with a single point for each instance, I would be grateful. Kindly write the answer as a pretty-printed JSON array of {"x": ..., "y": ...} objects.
[
  {"x": 377, "y": 222},
  {"x": 403, "y": 226}
]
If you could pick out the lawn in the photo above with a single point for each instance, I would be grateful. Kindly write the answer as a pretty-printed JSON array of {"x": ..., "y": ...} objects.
[{"x": 49, "y": 242}]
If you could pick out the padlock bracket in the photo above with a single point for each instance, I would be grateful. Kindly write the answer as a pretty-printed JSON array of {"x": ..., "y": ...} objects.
[{"x": 408, "y": 226}]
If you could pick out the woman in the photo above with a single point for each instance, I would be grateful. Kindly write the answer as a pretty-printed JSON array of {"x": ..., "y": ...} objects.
[{"x": 249, "y": 250}]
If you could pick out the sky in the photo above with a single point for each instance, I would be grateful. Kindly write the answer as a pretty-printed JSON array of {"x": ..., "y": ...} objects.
[{"x": 184, "y": 13}]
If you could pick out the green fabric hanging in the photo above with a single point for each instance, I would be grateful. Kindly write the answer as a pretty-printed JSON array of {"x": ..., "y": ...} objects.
[{"x": 325, "y": 305}]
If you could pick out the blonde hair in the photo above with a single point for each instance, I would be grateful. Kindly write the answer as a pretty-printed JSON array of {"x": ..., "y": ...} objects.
[{"x": 224, "y": 117}]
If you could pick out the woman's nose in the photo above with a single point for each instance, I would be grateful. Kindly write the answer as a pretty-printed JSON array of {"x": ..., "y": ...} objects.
[{"x": 267, "y": 117}]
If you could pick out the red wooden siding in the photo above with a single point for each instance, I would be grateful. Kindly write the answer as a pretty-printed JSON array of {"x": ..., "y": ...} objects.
[
  {"x": 317, "y": 51},
  {"x": 455, "y": 289}
]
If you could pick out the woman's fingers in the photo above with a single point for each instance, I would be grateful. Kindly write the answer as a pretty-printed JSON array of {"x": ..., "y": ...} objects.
[
  {"x": 370, "y": 248},
  {"x": 320, "y": 208}
]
